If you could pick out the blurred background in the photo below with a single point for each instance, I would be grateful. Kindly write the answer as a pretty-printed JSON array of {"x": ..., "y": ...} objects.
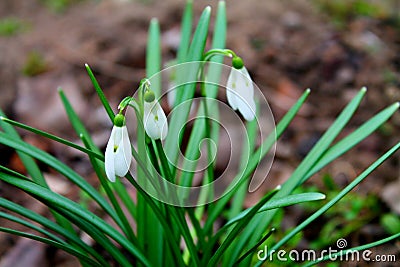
[{"x": 332, "y": 47}]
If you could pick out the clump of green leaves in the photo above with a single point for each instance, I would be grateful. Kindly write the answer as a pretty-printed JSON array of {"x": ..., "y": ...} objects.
[
  {"x": 11, "y": 26},
  {"x": 347, "y": 216},
  {"x": 35, "y": 64},
  {"x": 342, "y": 11},
  {"x": 391, "y": 223},
  {"x": 59, "y": 6}
]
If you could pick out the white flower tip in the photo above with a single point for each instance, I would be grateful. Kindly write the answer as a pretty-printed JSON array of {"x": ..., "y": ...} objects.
[
  {"x": 308, "y": 90},
  {"x": 2, "y": 118},
  {"x": 111, "y": 179},
  {"x": 248, "y": 115},
  {"x": 278, "y": 187},
  {"x": 364, "y": 89}
]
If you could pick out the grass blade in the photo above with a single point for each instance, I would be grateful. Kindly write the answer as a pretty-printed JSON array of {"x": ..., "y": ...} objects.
[
  {"x": 100, "y": 93},
  {"x": 186, "y": 93},
  {"x": 72, "y": 239},
  {"x": 354, "y": 138},
  {"x": 238, "y": 228},
  {"x": 76, "y": 121},
  {"x": 126, "y": 228},
  {"x": 260, "y": 153},
  {"x": 33, "y": 169},
  {"x": 280, "y": 203},
  {"x": 61, "y": 168},
  {"x": 52, "y": 137},
  {"x": 249, "y": 237},
  {"x": 350, "y": 250},
  {"x": 186, "y": 32},
  {"x": 339, "y": 196},
  {"x": 73, "y": 211},
  {"x": 153, "y": 57},
  {"x": 50, "y": 242}
]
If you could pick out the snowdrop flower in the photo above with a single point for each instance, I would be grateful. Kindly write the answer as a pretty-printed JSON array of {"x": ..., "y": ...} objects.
[
  {"x": 118, "y": 155},
  {"x": 240, "y": 90},
  {"x": 155, "y": 122}
]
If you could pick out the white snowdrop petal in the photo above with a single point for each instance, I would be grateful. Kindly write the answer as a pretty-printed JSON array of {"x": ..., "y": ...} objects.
[
  {"x": 231, "y": 89},
  {"x": 149, "y": 121},
  {"x": 240, "y": 93},
  {"x": 155, "y": 121},
  {"x": 118, "y": 153},
  {"x": 122, "y": 159},
  {"x": 127, "y": 149},
  {"x": 162, "y": 122},
  {"x": 247, "y": 109},
  {"x": 109, "y": 157},
  {"x": 247, "y": 106}
]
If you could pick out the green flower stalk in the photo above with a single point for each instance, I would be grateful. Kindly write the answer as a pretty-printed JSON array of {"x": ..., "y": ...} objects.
[{"x": 118, "y": 155}]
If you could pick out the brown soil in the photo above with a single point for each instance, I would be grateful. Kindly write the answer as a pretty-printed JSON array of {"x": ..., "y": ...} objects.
[{"x": 287, "y": 46}]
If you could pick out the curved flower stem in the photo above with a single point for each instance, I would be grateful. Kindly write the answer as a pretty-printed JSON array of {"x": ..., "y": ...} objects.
[{"x": 213, "y": 52}]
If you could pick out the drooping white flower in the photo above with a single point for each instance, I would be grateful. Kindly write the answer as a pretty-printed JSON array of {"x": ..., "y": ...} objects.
[
  {"x": 240, "y": 90},
  {"x": 154, "y": 120},
  {"x": 118, "y": 155}
]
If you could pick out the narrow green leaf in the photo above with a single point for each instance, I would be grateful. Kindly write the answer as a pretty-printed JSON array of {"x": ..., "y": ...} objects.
[
  {"x": 211, "y": 90},
  {"x": 259, "y": 154},
  {"x": 33, "y": 169},
  {"x": 153, "y": 57},
  {"x": 168, "y": 230},
  {"x": 248, "y": 145},
  {"x": 186, "y": 93},
  {"x": 126, "y": 228},
  {"x": 245, "y": 220},
  {"x": 76, "y": 121},
  {"x": 338, "y": 197},
  {"x": 280, "y": 203},
  {"x": 151, "y": 228},
  {"x": 61, "y": 168},
  {"x": 354, "y": 138},
  {"x": 72, "y": 239},
  {"x": 255, "y": 247},
  {"x": 80, "y": 129},
  {"x": 30, "y": 225},
  {"x": 73, "y": 211},
  {"x": 186, "y": 31},
  {"x": 100, "y": 93},
  {"x": 53, "y": 137},
  {"x": 28, "y": 162},
  {"x": 118, "y": 187},
  {"x": 50, "y": 242},
  {"x": 350, "y": 251},
  {"x": 323, "y": 144},
  {"x": 251, "y": 234}
]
